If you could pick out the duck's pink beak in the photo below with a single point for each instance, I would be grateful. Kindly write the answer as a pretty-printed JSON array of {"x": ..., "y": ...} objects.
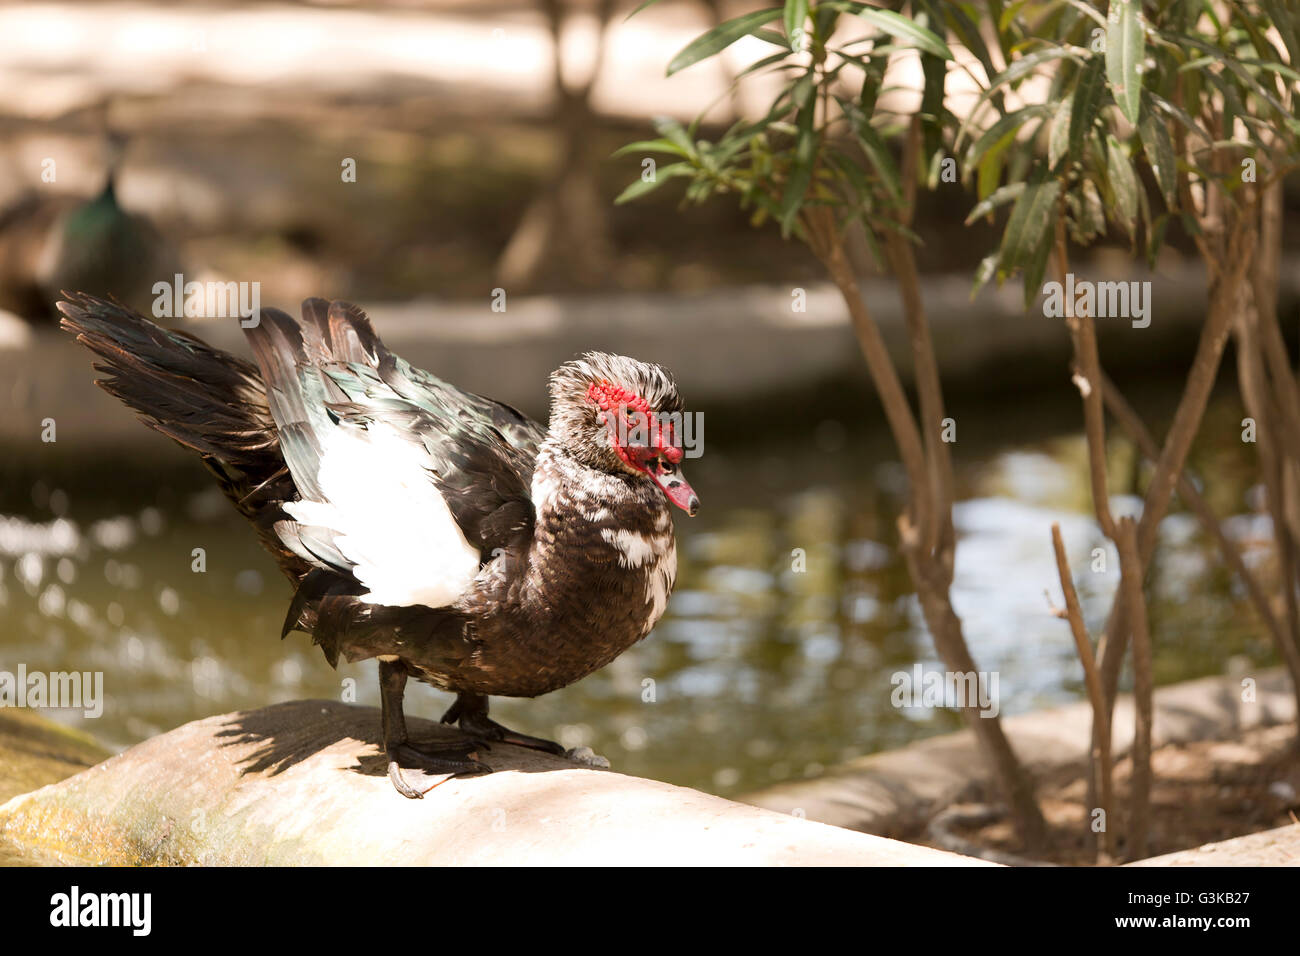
[{"x": 668, "y": 476}]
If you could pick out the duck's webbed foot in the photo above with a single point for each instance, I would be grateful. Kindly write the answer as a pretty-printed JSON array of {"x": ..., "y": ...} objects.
[
  {"x": 470, "y": 712},
  {"x": 402, "y": 753}
]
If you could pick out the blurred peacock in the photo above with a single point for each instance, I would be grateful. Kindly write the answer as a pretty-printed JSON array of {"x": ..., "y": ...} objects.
[{"x": 49, "y": 244}]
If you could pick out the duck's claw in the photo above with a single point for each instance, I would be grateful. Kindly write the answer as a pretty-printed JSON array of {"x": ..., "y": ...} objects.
[{"x": 450, "y": 761}]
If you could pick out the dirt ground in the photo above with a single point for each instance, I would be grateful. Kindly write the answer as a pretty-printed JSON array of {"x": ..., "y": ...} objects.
[{"x": 1202, "y": 792}]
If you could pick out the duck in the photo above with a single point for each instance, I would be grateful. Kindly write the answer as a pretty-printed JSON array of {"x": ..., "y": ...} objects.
[{"x": 445, "y": 534}]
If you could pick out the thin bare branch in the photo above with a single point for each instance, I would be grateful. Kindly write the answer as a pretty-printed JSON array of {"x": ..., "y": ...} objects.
[
  {"x": 1101, "y": 761},
  {"x": 827, "y": 244},
  {"x": 1087, "y": 376},
  {"x": 1131, "y": 591}
]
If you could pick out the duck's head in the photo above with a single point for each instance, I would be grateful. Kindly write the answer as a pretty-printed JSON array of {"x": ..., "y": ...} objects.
[{"x": 623, "y": 417}]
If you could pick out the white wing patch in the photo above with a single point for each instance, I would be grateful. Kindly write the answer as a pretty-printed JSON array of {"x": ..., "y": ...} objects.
[{"x": 390, "y": 519}]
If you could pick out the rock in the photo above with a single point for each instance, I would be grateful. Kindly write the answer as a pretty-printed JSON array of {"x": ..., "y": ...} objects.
[
  {"x": 305, "y": 783},
  {"x": 35, "y": 752},
  {"x": 1280, "y": 847}
]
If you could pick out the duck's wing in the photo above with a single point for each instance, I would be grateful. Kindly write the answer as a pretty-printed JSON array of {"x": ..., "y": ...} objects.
[
  {"x": 407, "y": 485},
  {"x": 338, "y": 332},
  {"x": 423, "y": 388}
]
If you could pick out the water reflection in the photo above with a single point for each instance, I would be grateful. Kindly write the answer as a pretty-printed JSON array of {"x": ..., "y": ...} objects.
[{"x": 774, "y": 661}]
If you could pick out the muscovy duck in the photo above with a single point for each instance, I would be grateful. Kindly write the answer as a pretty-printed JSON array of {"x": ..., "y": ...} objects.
[{"x": 444, "y": 533}]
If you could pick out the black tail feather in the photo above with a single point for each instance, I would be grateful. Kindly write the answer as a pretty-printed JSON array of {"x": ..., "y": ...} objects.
[
  {"x": 204, "y": 398},
  {"x": 201, "y": 397}
]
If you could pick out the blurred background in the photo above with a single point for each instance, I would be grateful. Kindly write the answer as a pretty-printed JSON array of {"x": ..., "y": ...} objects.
[{"x": 139, "y": 140}]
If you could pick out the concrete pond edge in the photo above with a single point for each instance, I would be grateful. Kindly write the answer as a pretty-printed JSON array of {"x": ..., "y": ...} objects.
[{"x": 893, "y": 793}]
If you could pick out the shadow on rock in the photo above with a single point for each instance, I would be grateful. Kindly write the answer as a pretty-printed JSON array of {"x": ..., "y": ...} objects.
[{"x": 273, "y": 739}]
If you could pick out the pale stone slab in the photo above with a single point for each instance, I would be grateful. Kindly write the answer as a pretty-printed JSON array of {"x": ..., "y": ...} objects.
[
  {"x": 1280, "y": 847},
  {"x": 304, "y": 783}
]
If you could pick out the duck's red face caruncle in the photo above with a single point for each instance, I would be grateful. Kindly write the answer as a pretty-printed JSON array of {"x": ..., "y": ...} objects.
[{"x": 645, "y": 440}]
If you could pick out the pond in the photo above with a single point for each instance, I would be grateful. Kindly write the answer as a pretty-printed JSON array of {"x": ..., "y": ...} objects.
[{"x": 791, "y": 616}]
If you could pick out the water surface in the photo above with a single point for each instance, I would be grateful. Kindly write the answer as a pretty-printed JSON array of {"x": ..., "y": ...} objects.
[{"x": 791, "y": 614}]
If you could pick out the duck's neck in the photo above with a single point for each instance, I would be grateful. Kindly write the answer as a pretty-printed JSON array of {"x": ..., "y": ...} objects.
[{"x": 596, "y": 531}]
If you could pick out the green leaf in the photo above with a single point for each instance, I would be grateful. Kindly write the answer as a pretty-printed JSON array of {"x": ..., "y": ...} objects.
[
  {"x": 671, "y": 130},
  {"x": 872, "y": 79},
  {"x": 721, "y": 37},
  {"x": 899, "y": 26},
  {"x": 1159, "y": 147},
  {"x": 1020, "y": 68},
  {"x": 651, "y": 146},
  {"x": 1037, "y": 264},
  {"x": 873, "y": 245},
  {"x": 1058, "y": 143},
  {"x": 881, "y": 159},
  {"x": 641, "y": 187},
  {"x": 852, "y": 174},
  {"x": 1244, "y": 75},
  {"x": 825, "y": 20},
  {"x": 870, "y": 92},
  {"x": 801, "y": 169},
  {"x": 725, "y": 151},
  {"x": 1005, "y": 37},
  {"x": 999, "y": 198},
  {"x": 1238, "y": 70},
  {"x": 935, "y": 71},
  {"x": 969, "y": 33},
  {"x": 1007, "y": 124},
  {"x": 1285, "y": 23},
  {"x": 774, "y": 38},
  {"x": 1088, "y": 11},
  {"x": 874, "y": 147},
  {"x": 1179, "y": 114},
  {"x": 1272, "y": 67},
  {"x": 1125, "y": 47},
  {"x": 1009, "y": 15},
  {"x": 796, "y": 12},
  {"x": 1123, "y": 184},
  {"x": 1089, "y": 92},
  {"x": 1029, "y": 217},
  {"x": 639, "y": 8},
  {"x": 768, "y": 61},
  {"x": 802, "y": 90},
  {"x": 990, "y": 168}
]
